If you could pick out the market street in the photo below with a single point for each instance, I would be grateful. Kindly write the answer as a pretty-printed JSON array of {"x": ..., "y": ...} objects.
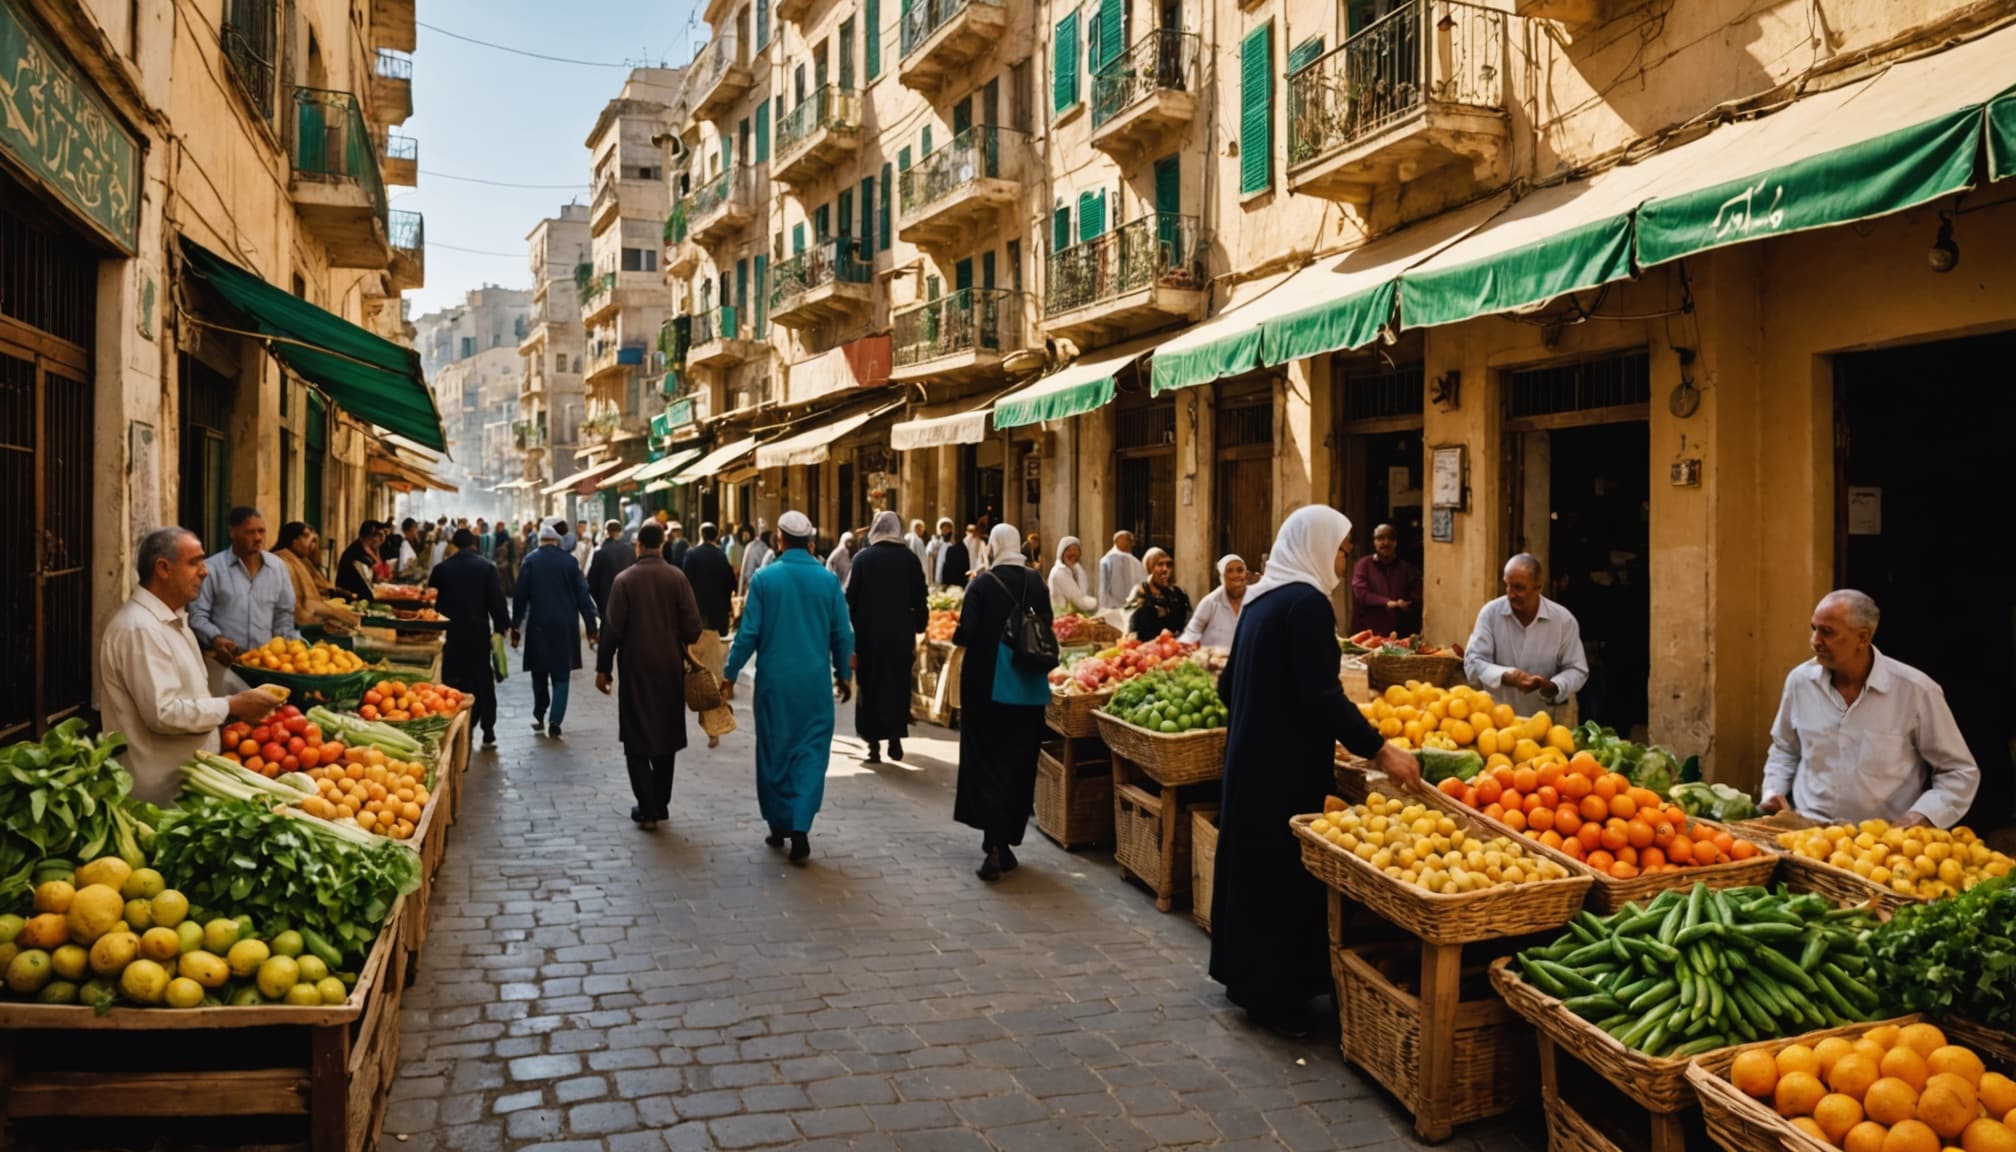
[{"x": 586, "y": 983}]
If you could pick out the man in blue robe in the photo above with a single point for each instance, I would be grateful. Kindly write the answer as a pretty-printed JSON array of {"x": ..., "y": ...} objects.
[
  {"x": 794, "y": 621},
  {"x": 551, "y": 593}
]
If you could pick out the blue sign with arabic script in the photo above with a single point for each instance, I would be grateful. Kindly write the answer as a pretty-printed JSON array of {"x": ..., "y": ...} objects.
[{"x": 55, "y": 127}]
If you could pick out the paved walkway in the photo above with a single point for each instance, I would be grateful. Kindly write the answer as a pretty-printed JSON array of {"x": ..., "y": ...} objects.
[{"x": 590, "y": 985}]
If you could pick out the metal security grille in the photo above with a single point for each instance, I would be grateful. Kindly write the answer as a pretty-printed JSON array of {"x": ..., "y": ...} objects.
[
  {"x": 1151, "y": 425},
  {"x": 248, "y": 40},
  {"x": 46, "y": 274},
  {"x": 1383, "y": 395},
  {"x": 205, "y": 486},
  {"x": 1247, "y": 424},
  {"x": 1620, "y": 381}
]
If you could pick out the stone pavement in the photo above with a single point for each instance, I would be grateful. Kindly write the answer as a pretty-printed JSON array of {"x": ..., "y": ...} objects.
[{"x": 588, "y": 985}]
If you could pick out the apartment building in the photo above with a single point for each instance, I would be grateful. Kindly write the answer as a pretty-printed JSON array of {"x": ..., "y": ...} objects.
[
  {"x": 198, "y": 270},
  {"x": 471, "y": 356},
  {"x": 551, "y": 399}
]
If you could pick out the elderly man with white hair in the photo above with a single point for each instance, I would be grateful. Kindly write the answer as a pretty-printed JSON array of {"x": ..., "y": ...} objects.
[
  {"x": 1120, "y": 572},
  {"x": 1860, "y": 736},
  {"x": 1526, "y": 650}
]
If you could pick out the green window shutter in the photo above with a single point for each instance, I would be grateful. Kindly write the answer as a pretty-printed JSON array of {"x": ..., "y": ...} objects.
[
  {"x": 1112, "y": 31},
  {"x": 926, "y": 142},
  {"x": 763, "y": 132},
  {"x": 1303, "y": 54},
  {"x": 762, "y": 296},
  {"x": 1060, "y": 227},
  {"x": 903, "y": 159},
  {"x": 1095, "y": 38},
  {"x": 741, "y": 287},
  {"x": 762, "y": 23},
  {"x": 871, "y": 11},
  {"x": 797, "y": 239},
  {"x": 1256, "y": 109},
  {"x": 888, "y": 185},
  {"x": 867, "y": 215},
  {"x": 727, "y": 154},
  {"x": 1091, "y": 214},
  {"x": 1064, "y": 64}
]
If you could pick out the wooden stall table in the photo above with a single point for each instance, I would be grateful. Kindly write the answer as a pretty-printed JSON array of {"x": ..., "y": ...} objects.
[
  {"x": 934, "y": 695},
  {"x": 1159, "y": 780},
  {"x": 430, "y": 836},
  {"x": 1074, "y": 775}
]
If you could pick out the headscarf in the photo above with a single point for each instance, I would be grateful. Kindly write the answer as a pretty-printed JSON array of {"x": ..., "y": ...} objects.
[
  {"x": 1076, "y": 571},
  {"x": 887, "y": 529},
  {"x": 1305, "y": 552},
  {"x": 1224, "y": 562},
  {"x": 1004, "y": 545},
  {"x": 1140, "y": 596}
]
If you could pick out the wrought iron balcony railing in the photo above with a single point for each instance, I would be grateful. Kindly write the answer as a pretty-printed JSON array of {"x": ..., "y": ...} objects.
[
  {"x": 924, "y": 17},
  {"x": 982, "y": 152},
  {"x": 604, "y": 197},
  {"x": 393, "y": 65},
  {"x": 1165, "y": 60},
  {"x": 968, "y": 320},
  {"x": 330, "y": 142},
  {"x": 714, "y": 60},
  {"x": 828, "y": 107},
  {"x": 730, "y": 186},
  {"x": 827, "y": 262},
  {"x": 1446, "y": 51},
  {"x": 247, "y": 39},
  {"x": 718, "y": 323},
  {"x": 750, "y": 393},
  {"x": 402, "y": 148},
  {"x": 1162, "y": 249},
  {"x": 595, "y": 286},
  {"x": 407, "y": 231}
]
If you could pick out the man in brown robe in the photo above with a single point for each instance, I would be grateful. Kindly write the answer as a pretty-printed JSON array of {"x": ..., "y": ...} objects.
[{"x": 651, "y": 618}]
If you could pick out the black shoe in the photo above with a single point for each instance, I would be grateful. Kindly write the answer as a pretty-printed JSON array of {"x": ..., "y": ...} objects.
[
  {"x": 875, "y": 753},
  {"x": 801, "y": 849},
  {"x": 1291, "y": 1022},
  {"x": 538, "y": 723},
  {"x": 636, "y": 814},
  {"x": 775, "y": 839},
  {"x": 990, "y": 868},
  {"x": 489, "y": 738},
  {"x": 895, "y": 749},
  {"x": 554, "y": 731},
  {"x": 1008, "y": 861}
]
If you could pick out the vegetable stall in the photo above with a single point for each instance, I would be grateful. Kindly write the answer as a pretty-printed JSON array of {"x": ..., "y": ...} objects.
[{"x": 249, "y": 944}]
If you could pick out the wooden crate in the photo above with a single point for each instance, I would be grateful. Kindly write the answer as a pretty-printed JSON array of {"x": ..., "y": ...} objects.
[
  {"x": 333, "y": 1065},
  {"x": 430, "y": 836},
  {"x": 1151, "y": 834},
  {"x": 1203, "y": 865},
  {"x": 934, "y": 695},
  {"x": 1074, "y": 792}
]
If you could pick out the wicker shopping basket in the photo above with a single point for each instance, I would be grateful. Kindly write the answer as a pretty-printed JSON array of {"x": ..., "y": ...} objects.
[
  {"x": 1383, "y": 670},
  {"x": 1070, "y": 713},
  {"x": 1806, "y": 874},
  {"x": 1741, "y": 1123},
  {"x": 1171, "y": 759}
]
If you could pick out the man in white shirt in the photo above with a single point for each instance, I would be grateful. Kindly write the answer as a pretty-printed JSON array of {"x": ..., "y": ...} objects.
[
  {"x": 409, "y": 547},
  {"x": 919, "y": 545},
  {"x": 1217, "y": 615},
  {"x": 1860, "y": 736},
  {"x": 1526, "y": 650},
  {"x": 247, "y": 597},
  {"x": 1120, "y": 572},
  {"x": 934, "y": 552},
  {"x": 977, "y": 550},
  {"x": 152, "y": 685},
  {"x": 584, "y": 545}
]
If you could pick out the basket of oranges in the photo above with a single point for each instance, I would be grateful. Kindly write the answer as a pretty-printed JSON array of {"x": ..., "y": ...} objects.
[
  {"x": 418, "y": 708},
  {"x": 319, "y": 673}
]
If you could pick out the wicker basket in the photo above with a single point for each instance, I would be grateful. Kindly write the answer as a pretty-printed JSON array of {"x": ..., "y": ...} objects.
[
  {"x": 1609, "y": 893},
  {"x": 1074, "y": 805},
  {"x": 1070, "y": 714},
  {"x": 304, "y": 690},
  {"x": 1806, "y": 874},
  {"x": 1203, "y": 865},
  {"x": 1170, "y": 760},
  {"x": 1741, "y": 1123},
  {"x": 1137, "y": 841},
  {"x": 1382, "y": 671},
  {"x": 1492, "y": 1067},
  {"x": 1509, "y": 910}
]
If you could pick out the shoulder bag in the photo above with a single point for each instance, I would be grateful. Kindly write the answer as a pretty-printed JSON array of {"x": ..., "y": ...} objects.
[{"x": 1019, "y": 678}]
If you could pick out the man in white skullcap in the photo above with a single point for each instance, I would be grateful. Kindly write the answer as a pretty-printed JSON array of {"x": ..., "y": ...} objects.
[{"x": 794, "y": 621}]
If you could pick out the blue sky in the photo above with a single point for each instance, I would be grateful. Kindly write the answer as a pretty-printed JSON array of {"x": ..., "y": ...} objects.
[{"x": 483, "y": 113}]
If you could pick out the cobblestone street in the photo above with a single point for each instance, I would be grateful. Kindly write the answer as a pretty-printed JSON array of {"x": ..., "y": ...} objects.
[{"x": 587, "y": 984}]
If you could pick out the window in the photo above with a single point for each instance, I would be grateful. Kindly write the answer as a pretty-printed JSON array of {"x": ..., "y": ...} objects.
[
  {"x": 1064, "y": 64},
  {"x": 1303, "y": 54},
  {"x": 845, "y": 210},
  {"x": 867, "y": 215},
  {"x": 847, "y": 53},
  {"x": 1060, "y": 227},
  {"x": 763, "y": 133},
  {"x": 559, "y": 362},
  {"x": 822, "y": 222},
  {"x": 468, "y": 347},
  {"x": 1015, "y": 266},
  {"x": 871, "y": 15},
  {"x": 247, "y": 39},
  {"x": 640, "y": 260},
  {"x": 1021, "y": 116},
  {"x": 1091, "y": 214},
  {"x": 649, "y": 172},
  {"x": 1112, "y": 33},
  {"x": 762, "y": 24},
  {"x": 1256, "y": 110},
  {"x": 762, "y": 296},
  {"x": 888, "y": 183},
  {"x": 742, "y": 140},
  {"x": 518, "y": 328}
]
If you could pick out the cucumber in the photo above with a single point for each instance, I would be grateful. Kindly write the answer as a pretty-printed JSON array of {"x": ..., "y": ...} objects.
[
  {"x": 1655, "y": 1039},
  {"x": 1772, "y": 932},
  {"x": 1695, "y": 906},
  {"x": 1814, "y": 952},
  {"x": 1670, "y": 926},
  {"x": 321, "y": 949},
  {"x": 1586, "y": 955},
  {"x": 1531, "y": 966},
  {"x": 1569, "y": 978},
  {"x": 1593, "y": 1006},
  {"x": 1699, "y": 1045},
  {"x": 1835, "y": 1000},
  {"x": 1850, "y": 987},
  {"x": 1688, "y": 936},
  {"x": 1776, "y": 963},
  {"x": 1629, "y": 992},
  {"x": 1659, "y": 993}
]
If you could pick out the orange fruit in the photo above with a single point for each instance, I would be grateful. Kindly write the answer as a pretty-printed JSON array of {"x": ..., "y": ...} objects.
[
  {"x": 1889, "y": 1100},
  {"x": 1904, "y": 1063},
  {"x": 1489, "y": 789},
  {"x": 1911, "y": 1136},
  {"x": 1810, "y": 1127},
  {"x": 1742, "y": 850},
  {"x": 1680, "y": 850},
  {"x": 1514, "y": 819},
  {"x": 1591, "y": 835},
  {"x": 1572, "y": 845},
  {"x": 1574, "y": 786},
  {"x": 1567, "y": 820},
  {"x": 1797, "y": 1093},
  {"x": 1601, "y": 860},
  {"x": 1837, "y": 1115},
  {"x": 1945, "y": 1110},
  {"x": 1594, "y": 809},
  {"x": 1624, "y": 869},
  {"x": 1525, "y": 779},
  {"x": 1651, "y": 858},
  {"x": 1922, "y": 1038},
  {"x": 1754, "y": 1073},
  {"x": 1952, "y": 1058},
  {"x": 1797, "y": 1058},
  {"x": 1998, "y": 1093},
  {"x": 1871, "y": 1049},
  {"x": 1958, "y": 1085},
  {"x": 1830, "y": 1050},
  {"x": 1988, "y": 1136},
  {"x": 1608, "y": 785},
  {"x": 1865, "y": 1137},
  {"x": 1639, "y": 833}
]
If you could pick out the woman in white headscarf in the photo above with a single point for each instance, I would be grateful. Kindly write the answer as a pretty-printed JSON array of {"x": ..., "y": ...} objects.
[
  {"x": 1269, "y": 938},
  {"x": 1071, "y": 588},
  {"x": 997, "y": 739},
  {"x": 1158, "y": 605},
  {"x": 1217, "y": 614},
  {"x": 885, "y": 601},
  {"x": 840, "y": 561}
]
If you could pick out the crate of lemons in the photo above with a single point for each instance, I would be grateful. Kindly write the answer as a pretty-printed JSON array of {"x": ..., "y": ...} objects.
[
  {"x": 1418, "y": 845},
  {"x": 118, "y": 935},
  {"x": 1462, "y": 719},
  {"x": 1928, "y": 863}
]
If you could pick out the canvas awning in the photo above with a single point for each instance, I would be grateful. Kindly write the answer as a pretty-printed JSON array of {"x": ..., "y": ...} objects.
[
  {"x": 2002, "y": 136},
  {"x": 1084, "y": 385},
  {"x": 367, "y": 375},
  {"x": 401, "y": 473},
  {"x": 939, "y": 429},
  {"x": 592, "y": 472},
  {"x": 666, "y": 466},
  {"x": 857, "y": 363},
  {"x": 513, "y": 485},
  {"x": 813, "y": 445},
  {"x": 617, "y": 477},
  {"x": 715, "y": 461}
]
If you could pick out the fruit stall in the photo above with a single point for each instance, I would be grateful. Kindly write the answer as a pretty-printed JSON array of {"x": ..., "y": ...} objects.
[
  {"x": 250, "y": 943},
  {"x": 934, "y": 693}
]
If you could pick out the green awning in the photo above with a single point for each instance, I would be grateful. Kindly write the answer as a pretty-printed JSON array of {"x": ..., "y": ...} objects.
[
  {"x": 368, "y": 375},
  {"x": 1084, "y": 385},
  {"x": 2002, "y": 137}
]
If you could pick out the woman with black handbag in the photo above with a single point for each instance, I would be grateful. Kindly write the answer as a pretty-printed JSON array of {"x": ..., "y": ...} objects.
[{"x": 1004, "y": 626}]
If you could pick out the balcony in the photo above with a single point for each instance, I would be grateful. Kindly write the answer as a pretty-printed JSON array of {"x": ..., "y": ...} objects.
[
  {"x": 606, "y": 356},
  {"x": 792, "y": 10},
  {"x": 407, "y": 232},
  {"x": 335, "y": 183},
  {"x": 1146, "y": 94},
  {"x": 954, "y": 194},
  {"x": 399, "y": 160},
  {"x": 720, "y": 338},
  {"x": 392, "y": 88},
  {"x": 598, "y": 292},
  {"x": 1419, "y": 89},
  {"x": 720, "y": 209},
  {"x": 751, "y": 393},
  {"x": 529, "y": 436},
  {"x": 393, "y": 26},
  {"x": 816, "y": 135},
  {"x": 1145, "y": 274},
  {"x": 1566, "y": 11},
  {"x": 942, "y": 37},
  {"x": 957, "y": 337},
  {"x": 825, "y": 282},
  {"x": 605, "y": 207},
  {"x": 720, "y": 75}
]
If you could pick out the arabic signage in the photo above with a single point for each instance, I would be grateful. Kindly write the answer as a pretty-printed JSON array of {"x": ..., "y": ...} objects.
[{"x": 53, "y": 125}]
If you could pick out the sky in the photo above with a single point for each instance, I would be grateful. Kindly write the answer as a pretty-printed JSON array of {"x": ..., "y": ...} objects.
[{"x": 492, "y": 115}]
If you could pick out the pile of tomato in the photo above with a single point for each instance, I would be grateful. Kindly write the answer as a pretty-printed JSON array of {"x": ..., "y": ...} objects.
[{"x": 286, "y": 741}]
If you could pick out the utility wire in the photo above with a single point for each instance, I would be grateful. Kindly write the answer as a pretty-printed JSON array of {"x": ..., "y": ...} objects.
[
  {"x": 498, "y": 183},
  {"x": 519, "y": 51},
  {"x": 475, "y": 251}
]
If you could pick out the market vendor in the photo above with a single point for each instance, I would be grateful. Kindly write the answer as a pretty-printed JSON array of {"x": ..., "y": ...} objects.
[
  {"x": 312, "y": 590},
  {"x": 1860, "y": 736},
  {"x": 152, "y": 685},
  {"x": 1386, "y": 588},
  {"x": 247, "y": 598},
  {"x": 1217, "y": 615},
  {"x": 355, "y": 567},
  {"x": 1526, "y": 650}
]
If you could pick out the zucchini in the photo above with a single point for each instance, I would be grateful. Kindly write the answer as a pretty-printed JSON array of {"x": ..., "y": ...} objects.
[
  {"x": 1592, "y": 1006},
  {"x": 1570, "y": 978},
  {"x": 1814, "y": 952},
  {"x": 1534, "y": 969},
  {"x": 1699, "y": 1045},
  {"x": 1670, "y": 926},
  {"x": 1776, "y": 963},
  {"x": 1662, "y": 991}
]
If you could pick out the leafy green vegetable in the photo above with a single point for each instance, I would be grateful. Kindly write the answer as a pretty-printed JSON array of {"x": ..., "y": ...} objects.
[
  {"x": 279, "y": 869},
  {"x": 64, "y": 796},
  {"x": 1953, "y": 957},
  {"x": 1715, "y": 801}
]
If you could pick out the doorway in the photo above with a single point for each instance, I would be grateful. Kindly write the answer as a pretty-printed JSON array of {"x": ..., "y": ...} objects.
[
  {"x": 1144, "y": 490},
  {"x": 981, "y": 464},
  {"x": 1901, "y": 530},
  {"x": 1379, "y": 433},
  {"x": 1244, "y": 484},
  {"x": 1580, "y": 440}
]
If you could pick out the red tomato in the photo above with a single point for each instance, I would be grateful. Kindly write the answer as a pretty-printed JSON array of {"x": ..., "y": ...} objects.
[
  {"x": 272, "y": 752},
  {"x": 314, "y": 734},
  {"x": 310, "y": 756},
  {"x": 290, "y": 764},
  {"x": 296, "y": 724},
  {"x": 262, "y": 733}
]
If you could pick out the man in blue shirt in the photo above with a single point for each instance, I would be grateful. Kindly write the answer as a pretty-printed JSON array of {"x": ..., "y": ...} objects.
[{"x": 247, "y": 598}]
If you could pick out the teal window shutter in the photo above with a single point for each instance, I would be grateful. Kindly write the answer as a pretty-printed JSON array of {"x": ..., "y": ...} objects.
[
  {"x": 1091, "y": 214},
  {"x": 762, "y": 23},
  {"x": 1304, "y": 54},
  {"x": 1064, "y": 64},
  {"x": 926, "y": 142},
  {"x": 903, "y": 159},
  {"x": 888, "y": 184},
  {"x": 797, "y": 239},
  {"x": 1112, "y": 32},
  {"x": 762, "y": 296},
  {"x": 871, "y": 14},
  {"x": 763, "y": 132},
  {"x": 1095, "y": 38},
  {"x": 867, "y": 215},
  {"x": 741, "y": 286},
  {"x": 1060, "y": 227},
  {"x": 1256, "y": 109}
]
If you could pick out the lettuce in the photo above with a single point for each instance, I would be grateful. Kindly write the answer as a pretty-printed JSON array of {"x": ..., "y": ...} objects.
[{"x": 1953, "y": 957}]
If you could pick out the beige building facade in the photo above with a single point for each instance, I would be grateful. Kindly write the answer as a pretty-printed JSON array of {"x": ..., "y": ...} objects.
[{"x": 551, "y": 399}]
